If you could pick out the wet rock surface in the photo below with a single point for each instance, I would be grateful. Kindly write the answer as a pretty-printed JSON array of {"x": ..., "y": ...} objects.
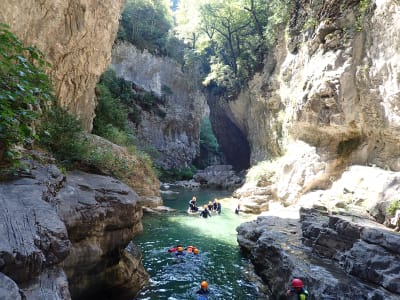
[{"x": 335, "y": 257}]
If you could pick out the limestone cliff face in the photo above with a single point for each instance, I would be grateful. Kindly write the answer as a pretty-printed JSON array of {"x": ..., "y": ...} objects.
[
  {"x": 328, "y": 96},
  {"x": 76, "y": 37},
  {"x": 175, "y": 135}
]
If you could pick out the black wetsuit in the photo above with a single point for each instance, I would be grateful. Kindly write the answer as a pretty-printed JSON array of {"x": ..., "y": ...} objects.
[
  {"x": 218, "y": 209},
  {"x": 193, "y": 206},
  {"x": 205, "y": 213},
  {"x": 203, "y": 292}
]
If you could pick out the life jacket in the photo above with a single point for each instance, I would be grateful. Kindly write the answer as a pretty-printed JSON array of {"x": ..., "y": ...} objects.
[{"x": 303, "y": 295}]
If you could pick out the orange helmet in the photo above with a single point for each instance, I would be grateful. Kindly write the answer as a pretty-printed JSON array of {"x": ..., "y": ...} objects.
[
  {"x": 180, "y": 249},
  {"x": 297, "y": 283},
  {"x": 196, "y": 251},
  {"x": 204, "y": 284}
]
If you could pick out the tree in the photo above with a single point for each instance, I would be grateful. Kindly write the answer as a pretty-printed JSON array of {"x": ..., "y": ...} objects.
[{"x": 146, "y": 23}]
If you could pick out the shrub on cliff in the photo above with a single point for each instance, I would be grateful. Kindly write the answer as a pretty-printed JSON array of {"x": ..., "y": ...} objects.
[
  {"x": 146, "y": 23},
  {"x": 24, "y": 90}
]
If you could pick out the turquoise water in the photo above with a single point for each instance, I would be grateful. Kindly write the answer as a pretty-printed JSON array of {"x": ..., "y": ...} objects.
[{"x": 219, "y": 261}]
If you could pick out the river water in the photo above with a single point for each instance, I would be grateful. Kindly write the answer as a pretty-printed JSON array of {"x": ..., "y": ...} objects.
[{"x": 219, "y": 261}]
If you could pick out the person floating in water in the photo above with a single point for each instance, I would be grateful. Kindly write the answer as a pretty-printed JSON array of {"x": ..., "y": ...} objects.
[
  {"x": 173, "y": 249},
  {"x": 298, "y": 289},
  {"x": 205, "y": 213},
  {"x": 210, "y": 206},
  {"x": 204, "y": 291},
  {"x": 179, "y": 252},
  {"x": 193, "y": 205}
]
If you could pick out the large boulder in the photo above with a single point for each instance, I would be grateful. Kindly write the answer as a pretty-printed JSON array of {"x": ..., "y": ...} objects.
[
  {"x": 219, "y": 176},
  {"x": 101, "y": 215},
  {"x": 66, "y": 235}
]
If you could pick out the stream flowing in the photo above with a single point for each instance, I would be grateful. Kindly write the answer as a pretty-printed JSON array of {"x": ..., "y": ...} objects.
[{"x": 219, "y": 261}]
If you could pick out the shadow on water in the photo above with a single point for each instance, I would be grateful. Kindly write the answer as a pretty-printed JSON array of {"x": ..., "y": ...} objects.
[{"x": 219, "y": 261}]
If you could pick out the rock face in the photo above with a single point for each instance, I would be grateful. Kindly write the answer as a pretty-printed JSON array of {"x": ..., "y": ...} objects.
[
  {"x": 219, "y": 176},
  {"x": 101, "y": 217},
  {"x": 66, "y": 235},
  {"x": 76, "y": 36},
  {"x": 175, "y": 135},
  {"x": 332, "y": 85},
  {"x": 363, "y": 260}
]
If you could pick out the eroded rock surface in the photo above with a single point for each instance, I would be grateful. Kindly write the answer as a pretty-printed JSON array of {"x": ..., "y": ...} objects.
[
  {"x": 68, "y": 233},
  {"x": 363, "y": 261},
  {"x": 101, "y": 217}
]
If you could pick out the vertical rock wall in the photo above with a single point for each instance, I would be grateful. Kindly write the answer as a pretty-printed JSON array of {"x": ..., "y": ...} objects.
[
  {"x": 175, "y": 135},
  {"x": 76, "y": 37},
  {"x": 332, "y": 84}
]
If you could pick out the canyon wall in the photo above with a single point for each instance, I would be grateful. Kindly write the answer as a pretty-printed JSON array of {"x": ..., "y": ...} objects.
[
  {"x": 328, "y": 97},
  {"x": 174, "y": 133},
  {"x": 76, "y": 36}
]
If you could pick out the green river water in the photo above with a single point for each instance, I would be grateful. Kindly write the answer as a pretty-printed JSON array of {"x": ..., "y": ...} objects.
[{"x": 219, "y": 261}]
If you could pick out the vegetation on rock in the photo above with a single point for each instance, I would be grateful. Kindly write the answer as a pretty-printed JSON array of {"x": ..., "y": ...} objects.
[{"x": 25, "y": 90}]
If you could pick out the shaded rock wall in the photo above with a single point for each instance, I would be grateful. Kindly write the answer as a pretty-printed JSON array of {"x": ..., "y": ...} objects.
[
  {"x": 76, "y": 37},
  {"x": 175, "y": 135}
]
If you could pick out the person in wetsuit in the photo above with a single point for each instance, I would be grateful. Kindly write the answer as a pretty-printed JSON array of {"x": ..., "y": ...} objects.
[
  {"x": 205, "y": 213},
  {"x": 193, "y": 205},
  {"x": 203, "y": 289}
]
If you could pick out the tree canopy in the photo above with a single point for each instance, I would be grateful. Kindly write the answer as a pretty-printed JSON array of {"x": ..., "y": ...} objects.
[{"x": 233, "y": 34}]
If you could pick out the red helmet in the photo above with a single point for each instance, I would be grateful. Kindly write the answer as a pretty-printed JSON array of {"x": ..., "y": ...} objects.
[{"x": 297, "y": 283}]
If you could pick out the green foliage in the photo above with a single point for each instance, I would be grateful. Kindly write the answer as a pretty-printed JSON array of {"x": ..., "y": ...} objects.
[
  {"x": 279, "y": 13},
  {"x": 207, "y": 137},
  {"x": 118, "y": 87},
  {"x": 109, "y": 111},
  {"x": 233, "y": 35},
  {"x": 176, "y": 174},
  {"x": 146, "y": 23},
  {"x": 61, "y": 133},
  {"x": 363, "y": 7},
  {"x": 394, "y": 205},
  {"x": 24, "y": 88}
]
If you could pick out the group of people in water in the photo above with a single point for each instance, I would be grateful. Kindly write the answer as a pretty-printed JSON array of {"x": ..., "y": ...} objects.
[
  {"x": 180, "y": 251},
  {"x": 212, "y": 206}
]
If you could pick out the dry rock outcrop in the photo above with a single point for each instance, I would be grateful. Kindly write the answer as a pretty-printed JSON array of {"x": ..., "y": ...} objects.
[
  {"x": 363, "y": 260},
  {"x": 67, "y": 236}
]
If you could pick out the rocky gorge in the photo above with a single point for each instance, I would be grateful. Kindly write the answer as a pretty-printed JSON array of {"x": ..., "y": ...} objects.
[{"x": 318, "y": 127}]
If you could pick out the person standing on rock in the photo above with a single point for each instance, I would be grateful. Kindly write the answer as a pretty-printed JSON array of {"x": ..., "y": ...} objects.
[{"x": 297, "y": 289}]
